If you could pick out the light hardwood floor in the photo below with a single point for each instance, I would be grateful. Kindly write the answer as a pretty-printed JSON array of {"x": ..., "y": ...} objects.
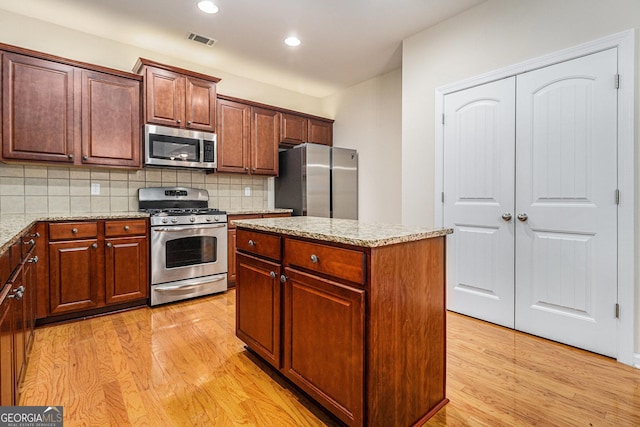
[{"x": 181, "y": 365}]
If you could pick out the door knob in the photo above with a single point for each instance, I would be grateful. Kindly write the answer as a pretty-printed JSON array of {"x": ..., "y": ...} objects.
[
  {"x": 522, "y": 217},
  {"x": 507, "y": 216}
]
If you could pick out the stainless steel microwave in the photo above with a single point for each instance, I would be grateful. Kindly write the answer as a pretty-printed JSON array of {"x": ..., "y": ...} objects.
[{"x": 166, "y": 146}]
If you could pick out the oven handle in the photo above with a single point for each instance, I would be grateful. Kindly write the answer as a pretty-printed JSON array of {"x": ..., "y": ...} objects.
[
  {"x": 185, "y": 287},
  {"x": 191, "y": 228}
]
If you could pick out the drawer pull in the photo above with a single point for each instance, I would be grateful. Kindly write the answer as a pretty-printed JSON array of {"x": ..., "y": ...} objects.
[
  {"x": 74, "y": 230},
  {"x": 33, "y": 260},
  {"x": 252, "y": 243},
  {"x": 30, "y": 242},
  {"x": 314, "y": 258},
  {"x": 126, "y": 228},
  {"x": 272, "y": 274}
]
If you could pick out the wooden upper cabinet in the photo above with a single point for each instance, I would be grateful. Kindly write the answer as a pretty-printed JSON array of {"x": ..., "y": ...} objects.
[
  {"x": 234, "y": 124},
  {"x": 320, "y": 132},
  {"x": 200, "y": 104},
  {"x": 62, "y": 111},
  {"x": 297, "y": 129},
  {"x": 177, "y": 97},
  {"x": 38, "y": 109},
  {"x": 265, "y": 135},
  {"x": 111, "y": 120},
  {"x": 164, "y": 97},
  {"x": 293, "y": 129}
]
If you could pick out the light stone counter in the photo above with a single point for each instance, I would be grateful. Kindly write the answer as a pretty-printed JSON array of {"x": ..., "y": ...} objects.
[
  {"x": 257, "y": 211},
  {"x": 13, "y": 226},
  {"x": 345, "y": 231}
]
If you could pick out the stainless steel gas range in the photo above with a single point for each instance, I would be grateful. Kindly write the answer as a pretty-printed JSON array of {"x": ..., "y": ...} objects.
[{"x": 188, "y": 243}]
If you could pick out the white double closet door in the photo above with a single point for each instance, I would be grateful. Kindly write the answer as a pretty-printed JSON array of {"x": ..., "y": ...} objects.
[{"x": 530, "y": 179}]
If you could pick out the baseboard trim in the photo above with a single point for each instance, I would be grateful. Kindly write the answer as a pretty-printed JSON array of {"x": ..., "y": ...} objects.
[{"x": 636, "y": 360}]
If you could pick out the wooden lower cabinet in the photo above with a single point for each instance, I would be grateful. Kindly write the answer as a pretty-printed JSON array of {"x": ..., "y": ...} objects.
[
  {"x": 75, "y": 282},
  {"x": 324, "y": 342},
  {"x": 7, "y": 384},
  {"x": 126, "y": 275},
  {"x": 362, "y": 329},
  {"x": 258, "y": 306},
  {"x": 95, "y": 264}
]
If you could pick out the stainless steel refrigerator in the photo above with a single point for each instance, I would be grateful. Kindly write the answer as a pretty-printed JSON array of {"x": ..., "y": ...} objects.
[{"x": 317, "y": 180}]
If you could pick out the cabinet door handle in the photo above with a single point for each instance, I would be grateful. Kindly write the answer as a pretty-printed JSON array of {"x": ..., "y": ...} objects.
[
  {"x": 189, "y": 122},
  {"x": 178, "y": 121},
  {"x": 272, "y": 274},
  {"x": 254, "y": 169},
  {"x": 246, "y": 169},
  {"x": 70, "y": 156},
  {"x": 94, "y": 246},
  {"x": 126, "y": 228},
  {"x": 283, "y": 278},
  {"x": 252, "y": 243},
  {"x": 19, "y": 289},
  {"x": 36, "y": 234},
  {"x": 33, "y": 260},
  {"x": 30, "y": 242},
  {"x": 314, "y": 258},
  {"x": 522, "y": 217},
  {"x": 109, "y": 244},
  {"x": 16, "y": 295}
]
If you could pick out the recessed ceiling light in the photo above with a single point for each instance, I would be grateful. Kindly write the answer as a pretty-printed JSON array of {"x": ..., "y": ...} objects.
[
  {"x": 292, "y": 41},
  {"x": 207, "y": 6}
]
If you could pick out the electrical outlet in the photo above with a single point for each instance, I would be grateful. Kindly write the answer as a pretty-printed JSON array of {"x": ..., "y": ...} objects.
[
  {"x": 247, "y": 191},
  {"x": 95, "y": 189}
]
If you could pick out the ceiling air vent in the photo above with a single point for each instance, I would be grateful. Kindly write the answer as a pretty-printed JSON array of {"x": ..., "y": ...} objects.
[{"x": 201, "y": 39}]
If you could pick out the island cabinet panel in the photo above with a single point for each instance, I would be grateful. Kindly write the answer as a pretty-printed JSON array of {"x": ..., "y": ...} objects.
[
  {"x": 39, "y": 113},
  {"x": 258, "y": 306},
  {"x": 324, "y": 342},
  {"x": 406, "y": 333},
  {"x": 262, "y": 244},
  {"x": 363, "y": 328}
]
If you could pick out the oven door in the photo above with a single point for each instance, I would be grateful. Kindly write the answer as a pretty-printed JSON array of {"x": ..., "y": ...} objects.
[{"x": 188, "y": 251}]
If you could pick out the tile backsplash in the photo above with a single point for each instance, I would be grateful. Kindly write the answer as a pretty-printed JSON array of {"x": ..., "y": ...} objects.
[{"x": 42, "y": 189}]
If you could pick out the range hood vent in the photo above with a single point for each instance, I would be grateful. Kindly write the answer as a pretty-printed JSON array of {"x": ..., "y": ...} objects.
[{"x": 201, "y": 39}]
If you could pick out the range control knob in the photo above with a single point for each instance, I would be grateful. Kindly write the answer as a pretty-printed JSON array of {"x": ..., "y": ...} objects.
[
  {"x": 216, "y": 218},
  {"x": 174, "y": 220},
  {"x": 192, "y": 219},
  {"x": 165, "y": 220},
  {"x": 209, "y": 219}
]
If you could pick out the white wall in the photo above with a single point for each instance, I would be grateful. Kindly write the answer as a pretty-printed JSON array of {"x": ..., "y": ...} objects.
[
  {"x": 368, "y": 118},
  {"x": 22, "y": 31},
  {"x": 492, "y": 35}
]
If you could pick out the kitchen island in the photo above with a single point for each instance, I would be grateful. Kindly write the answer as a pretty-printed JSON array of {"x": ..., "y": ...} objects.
[{"x": 351, "y": 313}]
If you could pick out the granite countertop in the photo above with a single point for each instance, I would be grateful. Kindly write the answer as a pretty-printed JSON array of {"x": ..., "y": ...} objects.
[
  {"x": 257, "y": 211},
  {"x": 13, "y": 226},
  {"x": 345, "y": 231}
]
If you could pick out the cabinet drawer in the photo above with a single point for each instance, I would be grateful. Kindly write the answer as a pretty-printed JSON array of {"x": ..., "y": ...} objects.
[
  {"x": 125, "y": 228},
  {"x": 266, "y": 245},
  {"x": 72, "y": 230},
  {"x": 342, "y": 263}
]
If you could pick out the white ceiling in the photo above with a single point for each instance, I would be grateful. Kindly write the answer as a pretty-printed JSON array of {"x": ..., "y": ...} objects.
[{"x": 344, "y": 42}]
